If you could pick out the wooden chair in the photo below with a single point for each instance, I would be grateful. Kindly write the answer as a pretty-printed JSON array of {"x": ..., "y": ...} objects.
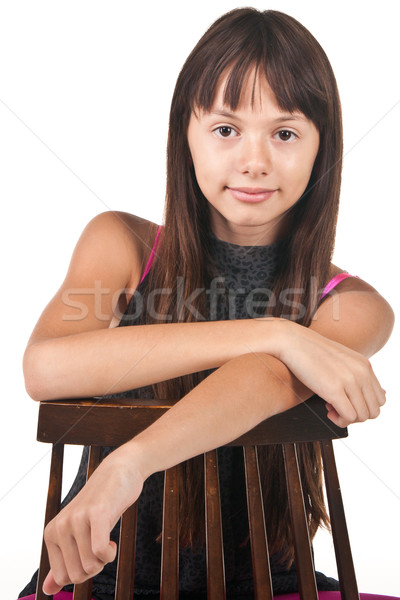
[{"x": 98, "y": 423}]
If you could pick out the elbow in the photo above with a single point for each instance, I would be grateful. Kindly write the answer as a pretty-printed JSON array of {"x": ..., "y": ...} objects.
[
  {"x": 390, "y": 321},
  {"x": 34, "y": 372},
  {"x": 385, "y": 321}
]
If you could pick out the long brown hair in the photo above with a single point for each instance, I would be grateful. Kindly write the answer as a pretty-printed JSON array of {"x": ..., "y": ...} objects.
[{"x": 301, "y": 78}]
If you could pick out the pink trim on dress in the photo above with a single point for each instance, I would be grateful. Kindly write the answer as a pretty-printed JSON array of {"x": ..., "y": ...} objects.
[
  {"x": 334, "y": 282},
  {"x": 152, "y": 254}
]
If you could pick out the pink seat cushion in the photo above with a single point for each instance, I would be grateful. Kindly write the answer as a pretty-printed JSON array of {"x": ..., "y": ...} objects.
[
  {"x": 336, "y": 596},
  {"x": 59, "y": 596},
  {"x": 321, "y": 596}
]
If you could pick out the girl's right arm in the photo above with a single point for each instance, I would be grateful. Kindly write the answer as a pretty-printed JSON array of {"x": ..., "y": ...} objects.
[{"x": 73, "y": 352}]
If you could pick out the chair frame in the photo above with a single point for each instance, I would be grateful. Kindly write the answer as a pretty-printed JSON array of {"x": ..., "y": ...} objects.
[{"x": 81, "y": 421}]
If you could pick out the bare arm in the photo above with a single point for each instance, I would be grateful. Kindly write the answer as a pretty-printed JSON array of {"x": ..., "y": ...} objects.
[
  {"x": 239, "y": 395},
  {"x": 330, "y": 358},
  {"x": 108, "y": 361},
  {"x": 266, "y": 367},
  {"x": 73, "y": 351}
]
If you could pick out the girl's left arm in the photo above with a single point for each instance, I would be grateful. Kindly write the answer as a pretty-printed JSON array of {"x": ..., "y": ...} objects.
[{"x": 329, "y": 358}]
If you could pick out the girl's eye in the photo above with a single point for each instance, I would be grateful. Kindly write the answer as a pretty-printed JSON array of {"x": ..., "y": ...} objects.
[
  {"x": 286, "y": 136},
  {"x": 225, "y": 132}
]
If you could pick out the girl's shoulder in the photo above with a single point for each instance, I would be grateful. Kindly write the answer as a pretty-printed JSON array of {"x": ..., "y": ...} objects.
[
  {"x": 368, "y": 315},
  {"x": 350, "y": 283},
  {"x": 131, "y": 236},
  {"x": 104, "y": 270}
]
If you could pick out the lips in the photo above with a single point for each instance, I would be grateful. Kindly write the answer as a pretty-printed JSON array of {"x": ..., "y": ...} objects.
[{"x": 247, "y": 194}]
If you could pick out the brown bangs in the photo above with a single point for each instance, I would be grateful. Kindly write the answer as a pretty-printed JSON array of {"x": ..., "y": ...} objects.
[{"x": 264, "y": 43}]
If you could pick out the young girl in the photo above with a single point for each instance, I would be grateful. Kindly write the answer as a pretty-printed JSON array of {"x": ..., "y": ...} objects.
[{"x": 227, "y": 307}]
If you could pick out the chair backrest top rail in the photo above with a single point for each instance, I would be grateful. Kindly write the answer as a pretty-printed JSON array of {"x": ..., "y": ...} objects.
[{"x": 104, "y": 423}]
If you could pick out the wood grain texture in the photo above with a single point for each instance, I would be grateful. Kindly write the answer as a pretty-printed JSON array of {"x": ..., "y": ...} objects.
[
  {"x": 126, "y": 555},
  {"x": 83, "y": 591},
  {"x": 304, "y": 562},
  {"x": 98, "y": 422},
  {"x": 258, "y": 535},
  {"x": 169, "y": 585},
  {"x": 214, "y": 543},
  {"x": 344, "y": 559},
  {"x": 52, "y": 508},
  {"x": 101, "y": 422}
]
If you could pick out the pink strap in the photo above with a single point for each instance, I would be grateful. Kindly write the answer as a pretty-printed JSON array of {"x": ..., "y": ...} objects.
[
  {"x": 152, "y": 254},
  {"x": 334, "y": 282}
]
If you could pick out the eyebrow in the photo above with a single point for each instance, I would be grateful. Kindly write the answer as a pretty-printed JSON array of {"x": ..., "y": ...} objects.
[{"x": 283, "y": 117}]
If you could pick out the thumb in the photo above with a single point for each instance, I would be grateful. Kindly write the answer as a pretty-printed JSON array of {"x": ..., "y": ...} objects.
[
  {"x": 50, "y": 586},
  {"x": 112, "y": 550}
]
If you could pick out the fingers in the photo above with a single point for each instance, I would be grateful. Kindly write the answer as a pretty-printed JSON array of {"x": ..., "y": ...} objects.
[
  {"x": 76, "y": 551},
  {"x": 80, "y": 560},
  {"x": 375, "y": 398},
  {"x": 356, "y": 403},
  {"x": 104, "y": 549},
  {"x": 368, "y": 397},
  {"x": 360, "y": 410},
  {"x": 341, "y": 410},
  {"x": 58, "y": 575},
  {"x": 334, "y": 416},
  {"x": 50, "y": 587}
]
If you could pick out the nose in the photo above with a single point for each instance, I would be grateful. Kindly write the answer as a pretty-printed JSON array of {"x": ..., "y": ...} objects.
[{"x": 255, "y": 156}]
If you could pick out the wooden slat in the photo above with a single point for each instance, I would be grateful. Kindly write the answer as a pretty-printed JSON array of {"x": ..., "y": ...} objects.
[
  {"x": 83, "y": 591},
  {"x": 52, "y": 508},
  {"x": 304, "y": 563},
  {"x": 214, "y": 544},
  {"x": 82, "y": 422},
  {"x": 258, "y": 536},
  {"x": 344, "y": 559},
  {"x": 169, "y": 585},
  {"x": 126, "y": 555}
]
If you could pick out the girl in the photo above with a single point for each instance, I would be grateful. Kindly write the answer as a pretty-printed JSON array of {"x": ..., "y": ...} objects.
[{"x": 231, "y": 305}]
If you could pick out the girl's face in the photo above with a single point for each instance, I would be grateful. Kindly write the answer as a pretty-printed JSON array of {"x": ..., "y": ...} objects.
[{"x": 252, "y": 164}]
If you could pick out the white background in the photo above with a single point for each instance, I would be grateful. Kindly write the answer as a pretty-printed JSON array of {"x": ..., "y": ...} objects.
[{"x": 85, "y": 88}]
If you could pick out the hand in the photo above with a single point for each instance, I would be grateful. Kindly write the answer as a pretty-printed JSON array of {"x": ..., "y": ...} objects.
[
  {"x": 78, "y": 538},
  {"x": 336, "y": 373}
]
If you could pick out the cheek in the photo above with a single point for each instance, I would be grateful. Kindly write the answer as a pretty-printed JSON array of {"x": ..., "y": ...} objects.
[
  {"x": 298, "y": 171},
  {"x": 204, "y": 177},
  {"x": 208, "y": 170}
]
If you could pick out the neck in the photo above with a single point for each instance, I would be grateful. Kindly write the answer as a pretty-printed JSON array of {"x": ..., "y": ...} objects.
[{"x": 246, "y": 236}]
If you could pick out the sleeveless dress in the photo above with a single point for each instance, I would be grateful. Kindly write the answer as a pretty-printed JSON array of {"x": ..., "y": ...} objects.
[{"x": 243, "y": 276}]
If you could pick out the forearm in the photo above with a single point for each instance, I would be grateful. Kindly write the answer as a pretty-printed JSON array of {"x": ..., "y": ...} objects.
[
  {"x": 228, "y": 403},
  {"x": 113, "y": 360},
  {"x": 232, "y": 400}
]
